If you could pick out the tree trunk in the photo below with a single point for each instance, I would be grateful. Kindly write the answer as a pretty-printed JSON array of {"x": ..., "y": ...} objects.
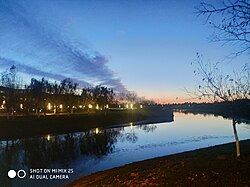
[{"x": 236, "y": 139}]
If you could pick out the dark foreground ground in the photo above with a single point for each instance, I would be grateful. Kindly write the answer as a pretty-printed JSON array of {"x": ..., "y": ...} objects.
[{"x": 215, "y": 166}]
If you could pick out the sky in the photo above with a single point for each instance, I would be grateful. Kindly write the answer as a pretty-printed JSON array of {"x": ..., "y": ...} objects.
[{"x": 145, "y": 46}]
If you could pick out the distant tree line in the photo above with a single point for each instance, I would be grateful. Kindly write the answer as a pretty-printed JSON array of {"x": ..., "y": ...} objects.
[
  {"x": 42, "y": 96},
  {"x": 241, "y": 108}
]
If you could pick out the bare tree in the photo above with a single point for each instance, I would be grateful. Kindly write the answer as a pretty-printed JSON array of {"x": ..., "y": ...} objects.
[
  {"x": 12, "y": 83},
  {"x": 132, "y": 96},
  {"x": 216, "y": 86},
  {"x": 231, "y": 20},
  {"x": 10, "y": 79}
]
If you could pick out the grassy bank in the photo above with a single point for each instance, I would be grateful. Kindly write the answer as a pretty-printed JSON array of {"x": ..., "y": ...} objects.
[
  {"x": 26, "y": 126},
  {"x": 214, "y": 166}
]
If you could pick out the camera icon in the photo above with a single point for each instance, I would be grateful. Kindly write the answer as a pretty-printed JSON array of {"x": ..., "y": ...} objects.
[{"x": 20, "y": 174}]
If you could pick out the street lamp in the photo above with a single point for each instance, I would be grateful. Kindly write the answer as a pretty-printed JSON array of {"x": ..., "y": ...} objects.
[
  {"x": 96, "y": 130},
  {"x": 49, "y": 106}
]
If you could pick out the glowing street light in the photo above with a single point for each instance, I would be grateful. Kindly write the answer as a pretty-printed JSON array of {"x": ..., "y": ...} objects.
[
  {"x": 61, "y": 106},
  {"x": 131, "y": 106},
  {"x": 90, "y": 106},
  {"x": 97, "y": 107},
  {"x": 21, "y": 106},
  {"x": 140, "y": 106},
  {"x": 49, "y": 106},
  {"x": 126, "y": 105},
  {"x": 96, "y": 130},
  {"x": 107, "y": 106}
]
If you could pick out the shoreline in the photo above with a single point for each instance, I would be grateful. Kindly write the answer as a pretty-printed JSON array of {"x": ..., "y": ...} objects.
[
  {"x": 212, "y": 166},
  {"x": 21, "y": 127}
]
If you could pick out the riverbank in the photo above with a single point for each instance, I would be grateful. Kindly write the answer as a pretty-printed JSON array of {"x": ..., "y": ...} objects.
[
  {"x": 214, "y": 166},
  {"x": 28, "y": 126},
  {"x": 238, "y": 109}
]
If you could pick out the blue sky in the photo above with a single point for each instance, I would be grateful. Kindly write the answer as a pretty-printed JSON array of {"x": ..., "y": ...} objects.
[{"x": 145, "y": 46}]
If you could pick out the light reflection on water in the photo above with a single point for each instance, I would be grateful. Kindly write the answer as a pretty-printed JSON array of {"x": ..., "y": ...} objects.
[{"x": 99, "y": 149}]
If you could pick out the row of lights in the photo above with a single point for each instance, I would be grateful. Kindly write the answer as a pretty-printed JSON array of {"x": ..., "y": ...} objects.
[
  {"x": 49, "y": 106},
  {"x": 131, "y": 106}
]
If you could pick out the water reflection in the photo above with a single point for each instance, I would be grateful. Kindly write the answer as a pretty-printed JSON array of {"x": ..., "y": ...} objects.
[
  {"x": 98, "y": 143},
  {"x": 60, "y": 149},
  {"x": 41, "y": 152},
  {"x": 131, "y": 135},
  {"x": 235, "y": 120},
  {"x": 49, "y": 150},
  {"x": 98, "y": 149},
  {"x": 147, "y": 128}
]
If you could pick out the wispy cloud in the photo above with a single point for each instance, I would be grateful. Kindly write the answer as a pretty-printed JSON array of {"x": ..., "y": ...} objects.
[
  {"x": 37, "y": 45},
  {"x": 33, "y": 71}
]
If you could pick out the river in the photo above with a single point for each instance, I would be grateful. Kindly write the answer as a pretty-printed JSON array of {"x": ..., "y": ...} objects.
[{"x": 83, "y": 153}]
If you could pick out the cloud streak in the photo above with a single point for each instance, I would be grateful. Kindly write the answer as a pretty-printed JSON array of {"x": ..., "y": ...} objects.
[{"x": 36, "y": 43}]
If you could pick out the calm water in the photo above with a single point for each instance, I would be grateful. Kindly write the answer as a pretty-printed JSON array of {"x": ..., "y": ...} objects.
[{"x": 100, "y": 149}]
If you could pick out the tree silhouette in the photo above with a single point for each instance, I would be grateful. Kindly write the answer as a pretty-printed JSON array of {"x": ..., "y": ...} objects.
[
  {"x": 38, "y": 89},
  {"x": 231, "y": 20},
  {"x": 102, "y": 95},
  {"x": 216, "y": 86},
  {"x": 11, "y": 82},
  {"x": 68, "y": 89},
  {"x": 87, "y": 96},
  {"x": 41, "y": 93}
]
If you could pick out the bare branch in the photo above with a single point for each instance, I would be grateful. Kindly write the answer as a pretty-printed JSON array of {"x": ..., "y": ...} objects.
[
  {"x": 231, "y": 20},
  {"x": 216, "y": 86}
]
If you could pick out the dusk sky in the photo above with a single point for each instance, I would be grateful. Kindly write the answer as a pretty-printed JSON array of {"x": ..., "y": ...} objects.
[{"x": 140, "y": 45}]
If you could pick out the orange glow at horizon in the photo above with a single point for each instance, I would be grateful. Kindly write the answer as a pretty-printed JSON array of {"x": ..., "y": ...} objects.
[{"x": 172, "y": 98}]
